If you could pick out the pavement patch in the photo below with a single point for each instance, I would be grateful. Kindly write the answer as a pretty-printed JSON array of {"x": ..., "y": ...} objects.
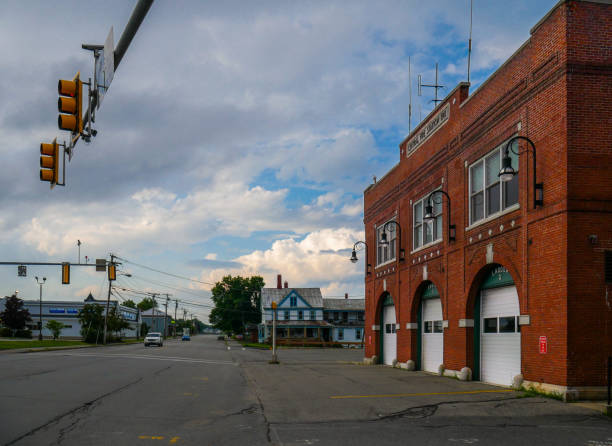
[{"x": 403, "y": 395}]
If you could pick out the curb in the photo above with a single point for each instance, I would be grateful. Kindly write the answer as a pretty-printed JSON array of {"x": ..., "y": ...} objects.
[{"x": 50, "y": 349}]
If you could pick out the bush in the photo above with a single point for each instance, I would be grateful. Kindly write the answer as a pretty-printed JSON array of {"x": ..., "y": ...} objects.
[
  {"x": 23, "y": 334},
  {"x": 5, "y": 332}
]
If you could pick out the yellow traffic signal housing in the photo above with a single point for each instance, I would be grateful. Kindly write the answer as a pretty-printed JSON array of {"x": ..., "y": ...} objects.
[
  {"x": 70, "y": 105},
  {"x": 65, "y": 273},
  {"x": 112, "y": 272},
  {"x": 49, "y": 162}
]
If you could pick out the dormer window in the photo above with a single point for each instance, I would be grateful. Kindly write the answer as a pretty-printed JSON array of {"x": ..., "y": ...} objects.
[{"x": 293, "y": 301}]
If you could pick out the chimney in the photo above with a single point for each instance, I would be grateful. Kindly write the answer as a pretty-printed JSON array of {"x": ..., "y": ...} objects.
[
  {"x": 346, "y": 295},
  {"x": 279, "y": 282},
  {"x": 286, "y": 284}
]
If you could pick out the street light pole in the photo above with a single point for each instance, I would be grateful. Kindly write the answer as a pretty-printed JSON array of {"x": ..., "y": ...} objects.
[{"x": 40, "y": 327}]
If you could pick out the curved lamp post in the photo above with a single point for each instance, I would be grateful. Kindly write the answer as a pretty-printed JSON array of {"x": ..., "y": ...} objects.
[
  {"x": 354, "y": 258},
  {"x": 429, "y": 215},
  {"x": 40, "y": 327},
  {"x": 383, "y": 237},
  {"x": 507, "y": 172}
]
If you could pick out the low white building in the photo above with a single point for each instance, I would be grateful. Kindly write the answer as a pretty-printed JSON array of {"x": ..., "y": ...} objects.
[{"x": 67, "y": 312}]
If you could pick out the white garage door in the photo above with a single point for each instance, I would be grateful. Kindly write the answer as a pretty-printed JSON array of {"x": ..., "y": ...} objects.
[
  {"x": 389, "y": 336},
  {"x": 433, "y": 335},
  {"x": 500, "y": 338}
]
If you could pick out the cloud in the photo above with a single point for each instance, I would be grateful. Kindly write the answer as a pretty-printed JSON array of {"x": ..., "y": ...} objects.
[{"x": 317, "y": 260}]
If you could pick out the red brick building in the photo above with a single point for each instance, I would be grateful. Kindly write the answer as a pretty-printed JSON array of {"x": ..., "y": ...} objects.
[{"x": 523, "y": 291}]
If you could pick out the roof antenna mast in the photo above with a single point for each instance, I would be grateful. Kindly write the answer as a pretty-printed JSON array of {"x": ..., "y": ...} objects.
[
  {"x": 470, "y": 42},
  {"x": 410, "y": 98},
  {"x": 435, "y": 86}
]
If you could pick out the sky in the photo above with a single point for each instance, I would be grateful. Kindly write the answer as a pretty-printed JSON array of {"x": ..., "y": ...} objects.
[{"x": 237, "y": 137}]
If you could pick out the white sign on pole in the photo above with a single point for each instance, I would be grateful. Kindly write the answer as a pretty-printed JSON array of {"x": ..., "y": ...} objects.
[{"x": 105, "y": 67}]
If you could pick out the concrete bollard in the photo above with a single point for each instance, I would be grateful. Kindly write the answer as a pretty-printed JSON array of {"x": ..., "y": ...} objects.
[
  {"x": 410, "y": 365},
  {"x": 394, "y": 362},
  {"x": 517, "y": 382},
  {"x": 465, "y": 374}
]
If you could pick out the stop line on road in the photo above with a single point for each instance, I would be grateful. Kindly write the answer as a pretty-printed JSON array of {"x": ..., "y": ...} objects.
[{"x": 152, "y": 357}]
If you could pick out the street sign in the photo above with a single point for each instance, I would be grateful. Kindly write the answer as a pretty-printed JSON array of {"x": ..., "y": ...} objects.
[
  {"x": 22, "y": 271},
  {"x": 543, "y": 345},
  {"x": 105, "y": 67},
  {"x": 101, "y": 265}
]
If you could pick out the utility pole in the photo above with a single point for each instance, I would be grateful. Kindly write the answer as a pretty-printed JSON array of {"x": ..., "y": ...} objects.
[
  {"x": 154, "y": 314},
  {"x": 110, "y": 283},
  {"x": 166, "y": 316},
  {"x": 40, "y": 327},
  {"x": 79, "y": 245},
  {"x": 175, "y": 308}
]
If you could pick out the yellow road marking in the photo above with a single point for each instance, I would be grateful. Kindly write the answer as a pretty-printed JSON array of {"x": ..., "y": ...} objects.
[
  {"x": 397, "y": 395},
  {"x": 150, "y": 437},
  {"x": 174, "y": 439}
]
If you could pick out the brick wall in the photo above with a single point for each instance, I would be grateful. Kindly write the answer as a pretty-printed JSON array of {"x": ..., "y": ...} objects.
[{"x": 556, "y": 90}]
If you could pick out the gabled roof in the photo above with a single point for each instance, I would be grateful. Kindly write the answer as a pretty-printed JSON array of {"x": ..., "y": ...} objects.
[
  {"x": 344, "y": 304},
  {"x": 312, "y": 296}
]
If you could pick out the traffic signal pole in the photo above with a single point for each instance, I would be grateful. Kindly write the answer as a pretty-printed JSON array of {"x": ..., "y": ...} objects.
[{"x": 138, "y": 14}]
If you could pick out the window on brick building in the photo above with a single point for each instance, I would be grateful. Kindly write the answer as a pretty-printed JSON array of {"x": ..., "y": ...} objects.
[
  {"x": 385, "y": 253},
  {"x": 488, "y": 194},
  {"x": 424, "y": 231},
  {"x": 608, "y": 266}
]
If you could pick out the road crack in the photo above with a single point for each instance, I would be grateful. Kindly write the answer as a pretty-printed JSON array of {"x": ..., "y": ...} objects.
[{"x": 77, "y": 412}]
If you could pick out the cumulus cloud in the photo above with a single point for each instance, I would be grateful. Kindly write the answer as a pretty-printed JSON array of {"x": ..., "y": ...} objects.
[{"x": 320, "y": 259}]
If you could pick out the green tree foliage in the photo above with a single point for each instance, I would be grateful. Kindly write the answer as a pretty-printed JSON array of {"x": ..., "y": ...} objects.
[
  {"x": 147, "y": 303},
  {"x": 14, "y": 315},
  {"x": 237, "y": 302},
  {"x": 129, "y": 303},
  {"x": 115, "y": 322},
  {"x": 55, "y": 327},
  {"x": 91, "y": 318}
]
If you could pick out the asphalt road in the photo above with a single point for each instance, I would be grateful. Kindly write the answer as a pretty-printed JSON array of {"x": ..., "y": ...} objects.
[{"x": 202, "y": 393}]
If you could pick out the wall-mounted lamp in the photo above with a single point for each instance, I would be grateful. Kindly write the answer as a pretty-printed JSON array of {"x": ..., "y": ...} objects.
[
  {"x": 507, "y": 172},
  {"x": 429, "y": 214}
]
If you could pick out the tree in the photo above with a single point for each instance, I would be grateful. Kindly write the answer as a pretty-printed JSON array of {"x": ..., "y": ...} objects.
[
  {"x": 14, "y": 315},
  {"x": 237, "y": 302},
  {"x": 55, "y": 327},
  {"x": 115, "y": 322},
  {"x": 92, "y": 322},
  {"x": 147, "y": 303},
  {"x": 129, "y": 303}
]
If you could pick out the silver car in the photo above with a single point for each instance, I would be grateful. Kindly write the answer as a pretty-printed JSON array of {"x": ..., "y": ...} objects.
[{"x": 153, "y": 338}]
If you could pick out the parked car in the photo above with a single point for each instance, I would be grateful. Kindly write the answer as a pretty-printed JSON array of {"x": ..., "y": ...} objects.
[
  {"x": 153, "y": 338},
  {"x": 186, "y": 338}
]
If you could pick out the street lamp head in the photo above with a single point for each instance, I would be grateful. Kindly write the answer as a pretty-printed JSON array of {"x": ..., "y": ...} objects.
[
  {"x": 354, "y": 258},
  {"x": 44, "y": 279},
  {"x": 507, "y": 172},
  {"x": 429, "y": 212},
  {"x": 383, "y": 238}
]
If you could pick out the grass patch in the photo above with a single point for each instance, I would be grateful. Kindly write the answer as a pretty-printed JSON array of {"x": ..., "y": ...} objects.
[
  {"x": 529, "y": 392},
  {"x": 7, "y": 345}
]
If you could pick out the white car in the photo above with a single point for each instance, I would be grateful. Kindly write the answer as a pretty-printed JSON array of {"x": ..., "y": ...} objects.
[{"x": 153, "y": 338}]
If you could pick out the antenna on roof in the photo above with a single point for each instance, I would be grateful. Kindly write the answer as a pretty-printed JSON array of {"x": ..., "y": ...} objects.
[
  {"x": 410, "y": 98},
  {"x": 470, "y": 41},
  {"x": 435, "y": 86}
]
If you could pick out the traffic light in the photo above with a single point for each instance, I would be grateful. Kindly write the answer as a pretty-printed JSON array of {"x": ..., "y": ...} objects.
[
  {"x": 70, "y": 105},
  {"x": 65, "y": 273},
  {"x": 112, "y": 272},
  {"x": 49, "y": 162}
]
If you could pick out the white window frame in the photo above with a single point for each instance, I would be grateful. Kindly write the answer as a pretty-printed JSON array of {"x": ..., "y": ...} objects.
[
  {"x": 389, "y": 252},
  {"x": 438, "y": 213},
  {"x": 503, "y": 208}
]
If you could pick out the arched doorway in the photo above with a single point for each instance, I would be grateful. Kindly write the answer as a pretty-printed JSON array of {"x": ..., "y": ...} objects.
[
  {"x": 388, "y": 344},
  {"x": 430, "y": 329},
  {"x": 497, "y": 336}
]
